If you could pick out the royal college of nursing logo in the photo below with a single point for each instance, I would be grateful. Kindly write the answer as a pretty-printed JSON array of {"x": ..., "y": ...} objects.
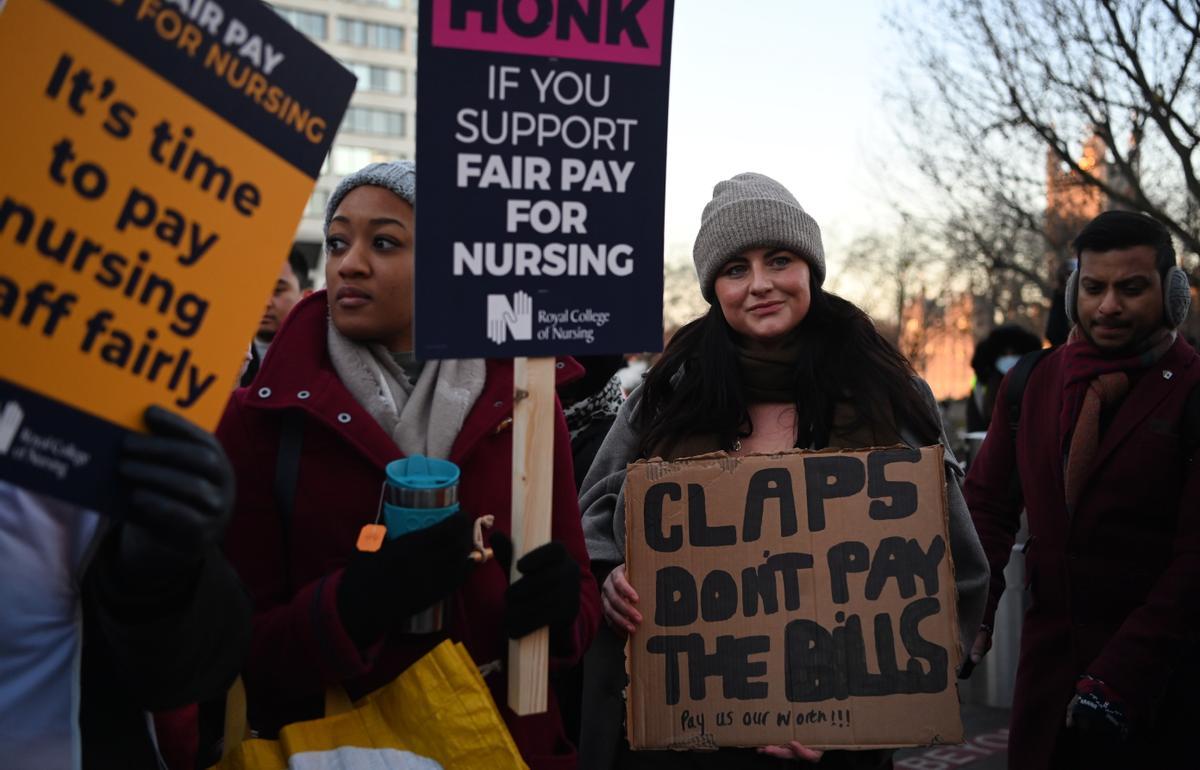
[
  {"x": 10, "y": 419},
  {"x": 506, "y": 318}
]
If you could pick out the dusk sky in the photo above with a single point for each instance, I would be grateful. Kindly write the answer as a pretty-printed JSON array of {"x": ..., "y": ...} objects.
[{"x": 790, "y": 89}]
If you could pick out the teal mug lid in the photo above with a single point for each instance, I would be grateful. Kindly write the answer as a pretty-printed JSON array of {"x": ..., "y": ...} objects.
[{"x": 420, "y": 472}]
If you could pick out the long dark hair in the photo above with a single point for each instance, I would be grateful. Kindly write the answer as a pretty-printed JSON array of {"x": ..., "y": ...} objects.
[{"x": 842, "y": 358}]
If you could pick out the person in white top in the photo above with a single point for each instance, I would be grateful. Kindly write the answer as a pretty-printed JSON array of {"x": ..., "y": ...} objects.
[{"x": 106, "y": 618}]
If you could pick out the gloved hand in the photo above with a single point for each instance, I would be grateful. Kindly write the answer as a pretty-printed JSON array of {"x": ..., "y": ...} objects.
[
  {"x": 180, "y": 496},
  {"x": 547, "y": 593},
  {"x": 408, "y": 574},
  {"x": 1097, "y": 711}
]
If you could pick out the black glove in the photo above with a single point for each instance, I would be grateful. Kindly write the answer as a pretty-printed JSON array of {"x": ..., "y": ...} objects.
[
  {"x": 408, "y": 574},
  {"x": 1097, "y": 712},
  {"x": 180, "y": 496},
  {"x": 547, "y": 594}
]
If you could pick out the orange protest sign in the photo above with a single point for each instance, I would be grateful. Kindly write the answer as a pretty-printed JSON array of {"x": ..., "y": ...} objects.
[{"x": 156, "y": 162}]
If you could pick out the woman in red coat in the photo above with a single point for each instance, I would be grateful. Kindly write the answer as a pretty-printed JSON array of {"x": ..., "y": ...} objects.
[{"x": 340, "y": 388}]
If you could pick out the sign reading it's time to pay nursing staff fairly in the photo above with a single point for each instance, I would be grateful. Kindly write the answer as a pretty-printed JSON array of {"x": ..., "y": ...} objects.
[{"x": 157, "y": 156}]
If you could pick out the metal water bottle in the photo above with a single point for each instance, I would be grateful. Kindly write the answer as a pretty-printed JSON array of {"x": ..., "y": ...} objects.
[{"x": 418, "y": 493}]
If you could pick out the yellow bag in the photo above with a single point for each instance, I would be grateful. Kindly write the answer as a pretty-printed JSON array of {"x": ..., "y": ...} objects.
[{"x": 439, "y": 709}]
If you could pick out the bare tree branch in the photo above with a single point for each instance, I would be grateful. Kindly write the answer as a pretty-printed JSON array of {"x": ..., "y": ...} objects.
[{"x": 1001, "y": 85}]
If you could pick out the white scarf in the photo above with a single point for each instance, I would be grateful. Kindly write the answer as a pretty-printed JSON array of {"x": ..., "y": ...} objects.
[{"x": 422, "y": 417}]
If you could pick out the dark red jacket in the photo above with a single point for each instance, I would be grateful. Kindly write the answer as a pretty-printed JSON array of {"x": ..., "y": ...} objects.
[
  {"x": 1114, "y": 590},
  {"x": 299, "y": 645}
]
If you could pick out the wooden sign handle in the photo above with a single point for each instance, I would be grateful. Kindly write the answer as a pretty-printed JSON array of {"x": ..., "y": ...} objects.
[{"x": 532, "y": 487}]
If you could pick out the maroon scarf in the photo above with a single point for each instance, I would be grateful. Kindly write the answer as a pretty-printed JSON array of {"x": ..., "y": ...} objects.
[{"x": 1095, "y": 383}]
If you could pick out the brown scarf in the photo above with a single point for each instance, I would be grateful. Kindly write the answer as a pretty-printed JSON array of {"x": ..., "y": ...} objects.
[
  {"x": 1096, "y": 384},
  {"x": 771, "y": 377}
]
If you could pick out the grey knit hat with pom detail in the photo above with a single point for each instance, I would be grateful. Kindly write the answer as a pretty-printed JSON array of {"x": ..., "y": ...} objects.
[
  {"x": 754, "y": 211},
  {"x": 399, "y": 176}
]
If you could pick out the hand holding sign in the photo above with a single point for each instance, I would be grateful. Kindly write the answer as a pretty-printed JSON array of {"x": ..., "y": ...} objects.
[
  {"x": 792, "y": 750},
  {"x": 181, "y": 495},
  {"x": 617, "y": 598},
  {"x": 547, "y": 593}
]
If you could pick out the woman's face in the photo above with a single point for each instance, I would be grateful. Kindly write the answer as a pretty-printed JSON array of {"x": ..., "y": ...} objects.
[
  {"x": 369, "y": 267},
  {"x": 764, "y": 293}
]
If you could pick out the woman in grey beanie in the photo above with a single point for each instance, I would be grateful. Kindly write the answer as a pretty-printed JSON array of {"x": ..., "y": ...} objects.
[{"x": 776, "y": 363}]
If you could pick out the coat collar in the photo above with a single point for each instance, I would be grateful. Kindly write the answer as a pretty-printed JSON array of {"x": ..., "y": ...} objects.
[{"x": 297, "y": 373}]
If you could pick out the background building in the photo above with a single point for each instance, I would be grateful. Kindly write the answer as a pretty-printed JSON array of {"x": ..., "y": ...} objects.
[
  {"x": 935, "y": 335},
  {"x": 377, "y": 41}
]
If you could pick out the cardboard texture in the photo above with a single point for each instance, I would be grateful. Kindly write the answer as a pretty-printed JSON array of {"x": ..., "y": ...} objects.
[{"x": 801, "y": 596}]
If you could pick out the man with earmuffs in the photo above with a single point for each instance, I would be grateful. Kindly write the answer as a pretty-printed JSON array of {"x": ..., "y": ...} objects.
[{"x": 1099, "y": 447}]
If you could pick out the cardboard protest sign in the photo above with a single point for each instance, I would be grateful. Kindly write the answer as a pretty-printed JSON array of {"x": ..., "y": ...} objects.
[
  {"x": 157, "y": 155},
  {"x": 541, "y": 142},
  {"x": 801, "y": 596}
]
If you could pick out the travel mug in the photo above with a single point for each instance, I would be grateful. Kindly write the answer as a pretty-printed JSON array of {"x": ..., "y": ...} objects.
[{"x": 418, "y": 493}]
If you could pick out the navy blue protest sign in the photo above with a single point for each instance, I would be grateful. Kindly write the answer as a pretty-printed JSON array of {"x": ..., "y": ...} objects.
[{"x": 541, "y": 150}]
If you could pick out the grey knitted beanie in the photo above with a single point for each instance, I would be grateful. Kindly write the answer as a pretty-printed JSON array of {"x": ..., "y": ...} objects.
[
  {"x": 754, "y": 211},
  {"x": 399, "y": 176}
]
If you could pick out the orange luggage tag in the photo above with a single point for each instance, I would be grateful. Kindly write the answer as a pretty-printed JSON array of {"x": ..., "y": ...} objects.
[{"x": 370, "y": 537}]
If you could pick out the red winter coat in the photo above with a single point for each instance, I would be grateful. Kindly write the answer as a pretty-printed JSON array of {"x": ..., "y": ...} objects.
[
  {"x": 299, "y": 645},
  {"x": 1115, "y": 589}
]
